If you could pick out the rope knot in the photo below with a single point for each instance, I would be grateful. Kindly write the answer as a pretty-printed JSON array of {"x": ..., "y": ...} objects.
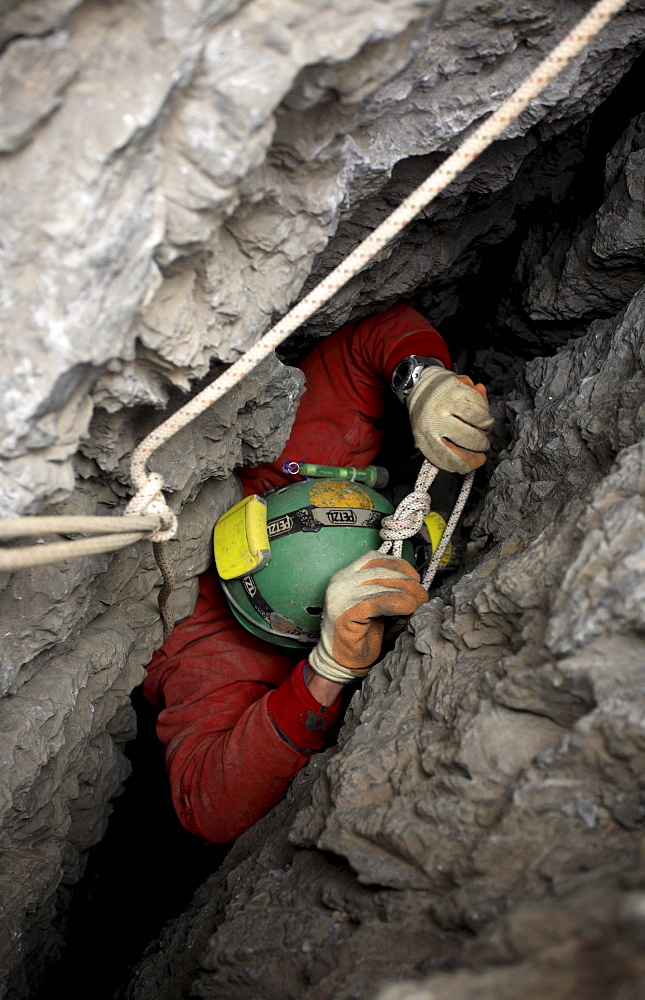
[
  {"x": 150, "y": 500},
  {"x": 407, "y": 518}
]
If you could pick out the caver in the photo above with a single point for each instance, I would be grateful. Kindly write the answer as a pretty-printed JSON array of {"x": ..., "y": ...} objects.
[{"x": 248, "y": 688}]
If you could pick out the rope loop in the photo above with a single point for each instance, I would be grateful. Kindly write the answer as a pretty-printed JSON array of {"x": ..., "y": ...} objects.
[
  {"x": 408, "y": 517},
  {"x": 433, "y": 566},
  {"x": 405, "y": 521},
  {"x": 150, "y": 500}
]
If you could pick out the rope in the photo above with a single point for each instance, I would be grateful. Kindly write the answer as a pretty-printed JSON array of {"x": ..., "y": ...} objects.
[
  {"x": 20, "y": 527},
  {"x": 466, "y": 487},
  {"x": 406, "y": 521},
  {"x": 148, "y": 498},
  {"x": 43, "y": 555},
  {"x": 408, "y": 517}
]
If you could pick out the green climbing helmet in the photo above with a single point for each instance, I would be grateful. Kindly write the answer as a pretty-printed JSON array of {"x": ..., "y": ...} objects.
[{"x": 313, "y": 529}]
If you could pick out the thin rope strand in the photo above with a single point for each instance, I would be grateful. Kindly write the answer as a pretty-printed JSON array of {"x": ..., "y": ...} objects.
[
  {"x": 160, "y": 550},
  {"x": 433, "y": 566}
]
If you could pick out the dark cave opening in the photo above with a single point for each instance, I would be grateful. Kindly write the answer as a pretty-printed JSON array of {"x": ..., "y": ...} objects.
[
  {"x": 559, "y": 186},
  {"x": 146, "y": 868},
  {"x": 490, "y": 313},
  {"x": 141, "y": 875}
]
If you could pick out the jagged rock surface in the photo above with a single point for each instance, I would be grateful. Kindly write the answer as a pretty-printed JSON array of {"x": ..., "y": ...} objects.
[
  {"x": 482, "y": 815},
  {"x": 151, "y": 231},
  {"x": 76, "y": 639}
]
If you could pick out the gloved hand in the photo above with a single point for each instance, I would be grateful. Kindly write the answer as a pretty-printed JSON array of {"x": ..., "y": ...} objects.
[
  {"x": 450, "y": 420},
  {"x": 357, "y": 597}
]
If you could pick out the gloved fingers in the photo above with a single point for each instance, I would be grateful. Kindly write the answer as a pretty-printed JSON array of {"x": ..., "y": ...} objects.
[
  {"x": 392, "y": 564},
  {"x": 358, "y": 597},
  {"x": 347, "y": 587},
  {"x": 481, "y": 389},
  {"x": 446, "y": 387},
  {"x": 373, "y": 558},
  {"x": 473, "y": 459},
  {"x": 372, "y": 581},
  {"x": 471, "y": 405},
  {"x": 445, "y": 455},
  {"x": 372, "y": 586},
  {"x": 401, "y": 598},
  {"x": 392, "y": 569},
  {"x": 358, "y": 631},
  {"x": 385, "y": 585},
  {"x": 464, "y": 435}
]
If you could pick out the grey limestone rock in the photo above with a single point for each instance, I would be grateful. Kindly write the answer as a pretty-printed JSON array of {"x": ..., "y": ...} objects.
[
  {"x": 480, "y": 822},
  {"x": 174, "y": 176},
  {"x": 40, "y": 69},
  {"x": 590, "y": 945},
  {"x": 88, "y": 628}
]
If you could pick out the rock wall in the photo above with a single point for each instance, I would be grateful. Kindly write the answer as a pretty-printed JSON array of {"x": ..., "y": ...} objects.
[
  {"x": 483, "y": 812},
  {"x": 173, "y": 176}
]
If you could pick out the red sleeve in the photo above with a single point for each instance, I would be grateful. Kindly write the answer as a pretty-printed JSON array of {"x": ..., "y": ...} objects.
[
  {"x": 298, "y": 717},
  {"x": 379, "y": 342},
  {"x": 239, "y": 721},
  {"x": 347, "y": 378}
]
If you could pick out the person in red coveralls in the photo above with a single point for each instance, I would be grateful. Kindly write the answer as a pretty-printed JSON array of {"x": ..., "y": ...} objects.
[{"x": 239, "y": 717}]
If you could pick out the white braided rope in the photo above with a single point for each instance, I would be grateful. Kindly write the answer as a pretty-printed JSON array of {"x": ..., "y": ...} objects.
[
  {"x": 408, "y": 517},
  {"x": 21, "y": 527},
  {"x": 433, "y": 566},
  {"x": 584, "y": 31},
  {"x": 150, "y": 500},
  {"x": 43, "y": 555}
]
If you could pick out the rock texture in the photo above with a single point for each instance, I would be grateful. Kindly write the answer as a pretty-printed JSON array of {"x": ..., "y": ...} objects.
[
  {"x": 483, "y": 812},
  {"x": 173, "y": 176},
  {"x": 76, "y": 637}
]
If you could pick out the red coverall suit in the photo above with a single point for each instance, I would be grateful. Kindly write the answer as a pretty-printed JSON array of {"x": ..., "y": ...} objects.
[{"x": 239, "y": 721}]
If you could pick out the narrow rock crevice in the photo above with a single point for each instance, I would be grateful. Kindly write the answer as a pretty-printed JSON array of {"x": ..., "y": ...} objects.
[{"x": 151, "y": 232}]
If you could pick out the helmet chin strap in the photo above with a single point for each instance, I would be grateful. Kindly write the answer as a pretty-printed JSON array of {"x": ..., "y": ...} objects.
[{"x": 308, "y": 638}]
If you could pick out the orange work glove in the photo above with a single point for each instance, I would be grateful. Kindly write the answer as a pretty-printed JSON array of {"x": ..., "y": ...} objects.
[
  {"x": 357, "y": 598},
  {"x": 450, "y": 420}
]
